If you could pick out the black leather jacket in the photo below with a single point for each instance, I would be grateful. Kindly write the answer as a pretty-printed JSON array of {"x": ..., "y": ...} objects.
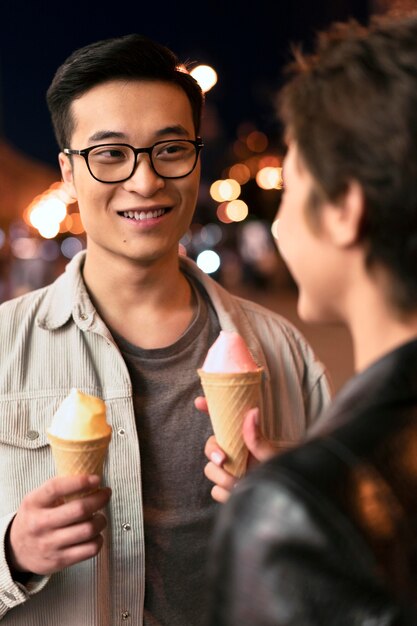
[{"x": 327, "y": 534}]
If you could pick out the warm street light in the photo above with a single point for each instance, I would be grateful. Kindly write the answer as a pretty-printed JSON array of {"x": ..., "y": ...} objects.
[{"x": 205, "y": 76}]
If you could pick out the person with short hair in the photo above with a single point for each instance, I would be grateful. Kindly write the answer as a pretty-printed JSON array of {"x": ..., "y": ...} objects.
[
  {"x": 326, "y": 534},
  {"x": 129, "y": 321}
]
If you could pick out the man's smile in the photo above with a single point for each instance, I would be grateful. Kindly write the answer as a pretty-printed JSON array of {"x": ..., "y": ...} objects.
[{"x": 143, "y": 215}]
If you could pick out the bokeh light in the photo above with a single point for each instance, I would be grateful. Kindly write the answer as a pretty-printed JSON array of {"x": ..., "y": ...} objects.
[
  {"x": 257, "y": 141},
  {"x": 48, "y": 230},
  {"x": 70, "y": 246},
  {"x": 25, "y": 247},
  {"x": 237, "y": 210},
  {"x": 76, "y": 227},
  {"x": 274, "y": 229},
  {"x": 240, "y": 172},
  {"x": 224, "y": 190},
  {"x": 48, "y": 210},
  {"x": 269, "y": 178},
  {"x": 205, "y": 75},
  {"x": 208, "y": 261},
  {"x": 229, "y": 189},
  {"x": 49, "y": 250},
  {"x": 222, "y": 213},
  {"x": 211, "y": 234},
  {"x": 214, "y": 191}
]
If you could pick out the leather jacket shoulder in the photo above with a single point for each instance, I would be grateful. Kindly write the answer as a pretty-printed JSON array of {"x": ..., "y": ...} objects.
[
  {"x": 327, "y": 534},
  {"x": 284, "y": 555}
]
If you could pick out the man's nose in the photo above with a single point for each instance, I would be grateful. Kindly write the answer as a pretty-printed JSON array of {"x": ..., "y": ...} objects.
[{"x": 144, "y": 179}]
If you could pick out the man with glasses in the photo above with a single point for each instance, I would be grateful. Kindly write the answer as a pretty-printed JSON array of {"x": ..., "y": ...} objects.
[{"x": 129, "y": 321}]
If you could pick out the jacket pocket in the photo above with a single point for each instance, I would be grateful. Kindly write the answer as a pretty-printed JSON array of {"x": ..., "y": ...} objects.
[{"x": 25, "y": 456}]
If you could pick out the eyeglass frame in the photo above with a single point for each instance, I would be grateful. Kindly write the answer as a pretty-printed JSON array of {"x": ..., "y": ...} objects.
[{"x": 197, "y": 143}]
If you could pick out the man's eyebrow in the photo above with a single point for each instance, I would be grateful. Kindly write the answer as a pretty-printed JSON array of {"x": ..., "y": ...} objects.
[
  {"x": 177, "y": 129},
  {"x": 104, "y": 135}
]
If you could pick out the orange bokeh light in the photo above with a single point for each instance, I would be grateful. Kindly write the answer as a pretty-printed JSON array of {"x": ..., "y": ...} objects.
[
  {"x": 222, "y": 213},
  {"x": 76, "y": 227}
]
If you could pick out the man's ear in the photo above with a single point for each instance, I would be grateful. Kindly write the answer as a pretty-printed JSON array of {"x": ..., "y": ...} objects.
[
  {"x": 67, "y": 174},
  {"x": 343, "y": 220}
]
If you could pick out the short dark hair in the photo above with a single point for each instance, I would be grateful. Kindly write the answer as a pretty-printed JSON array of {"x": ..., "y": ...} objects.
[
  {"x": 351, "y": 107},
  {"x": 130, "y": 57}
]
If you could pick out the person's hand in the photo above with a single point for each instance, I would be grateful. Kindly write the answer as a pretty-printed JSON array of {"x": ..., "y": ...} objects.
[
  {"x": 260, "y": 449},
  {"x": 216, "y": 473},
  {"x": 47, "y": 535}
]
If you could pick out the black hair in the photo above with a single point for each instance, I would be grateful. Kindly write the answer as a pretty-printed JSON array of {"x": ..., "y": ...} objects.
[{"x": 130, "y": 57}]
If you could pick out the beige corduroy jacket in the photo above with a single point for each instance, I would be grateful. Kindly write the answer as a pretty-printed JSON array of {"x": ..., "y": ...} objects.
[{"x": 52, "y": 339}]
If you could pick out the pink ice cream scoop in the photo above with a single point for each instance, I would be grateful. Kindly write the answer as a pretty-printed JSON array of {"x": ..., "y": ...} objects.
[
  {"x": 229, "y": 354},
  {"x": 231, "y": 382}
]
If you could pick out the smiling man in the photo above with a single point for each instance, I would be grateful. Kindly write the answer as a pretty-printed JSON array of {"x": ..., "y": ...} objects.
[{"x": 129, "y": 321}]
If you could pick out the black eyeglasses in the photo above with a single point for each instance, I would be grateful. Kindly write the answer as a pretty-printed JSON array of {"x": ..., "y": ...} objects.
[{"x": 116, "y": 162}]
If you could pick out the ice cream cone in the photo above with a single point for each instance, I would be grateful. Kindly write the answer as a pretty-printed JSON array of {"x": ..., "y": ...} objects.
[
  {"x": 79, "y": 457},
  {"x": 229, "y": 397}
]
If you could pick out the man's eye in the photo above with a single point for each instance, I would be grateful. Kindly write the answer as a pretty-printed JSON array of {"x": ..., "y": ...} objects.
[
  {"x": 170, "y": 148},
  {"x": 109, "y": 154},
  {"x": 174, "y": 151}
]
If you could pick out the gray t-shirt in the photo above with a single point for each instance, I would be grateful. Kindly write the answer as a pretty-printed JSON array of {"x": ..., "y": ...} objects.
[{"x": 178, "y": 508}]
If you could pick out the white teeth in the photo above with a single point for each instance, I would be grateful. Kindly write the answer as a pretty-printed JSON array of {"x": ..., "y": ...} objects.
[{"x": 143, "y": 215}]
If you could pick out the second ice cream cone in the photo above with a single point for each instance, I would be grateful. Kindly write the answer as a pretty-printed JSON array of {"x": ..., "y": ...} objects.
[{"x": 229, "y": 397}]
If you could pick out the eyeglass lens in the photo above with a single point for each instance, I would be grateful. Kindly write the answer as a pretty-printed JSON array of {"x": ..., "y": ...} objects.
[{"x": 169, "y": 159}]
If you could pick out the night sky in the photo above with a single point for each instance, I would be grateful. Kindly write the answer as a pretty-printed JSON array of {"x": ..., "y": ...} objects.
[{"x": 246, "y": 42}]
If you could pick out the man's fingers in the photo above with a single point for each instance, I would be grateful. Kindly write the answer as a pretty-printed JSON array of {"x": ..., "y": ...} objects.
[
  {"x": 59, "y": 487},
  {"x": 82, "y": 532},
  {"x": 58, "y": 559},
  {"x": 81, "y": 552},
  {"x": 81, "y": 508}
]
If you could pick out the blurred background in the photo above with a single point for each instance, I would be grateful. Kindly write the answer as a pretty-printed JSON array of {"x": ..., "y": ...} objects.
[{"x": 238, "y": 52}]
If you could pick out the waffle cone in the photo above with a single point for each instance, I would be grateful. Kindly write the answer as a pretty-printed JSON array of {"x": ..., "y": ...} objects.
[
  {"x": 229, "y": 397},
  {"x": 73, "y": 458}
]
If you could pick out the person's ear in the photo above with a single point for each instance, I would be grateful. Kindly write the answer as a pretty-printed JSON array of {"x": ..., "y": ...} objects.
[
  {"x": 344, "y": 219},
  {"x": 67, "y": 174}
]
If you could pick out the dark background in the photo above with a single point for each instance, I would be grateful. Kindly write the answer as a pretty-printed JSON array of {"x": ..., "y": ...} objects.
[{"x": 246, "y": 42}]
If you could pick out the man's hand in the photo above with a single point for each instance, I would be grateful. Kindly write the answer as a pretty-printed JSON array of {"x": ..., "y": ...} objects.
[
  {"x": 47, "y": 535},
  {"x": 260, "y": 449}
]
